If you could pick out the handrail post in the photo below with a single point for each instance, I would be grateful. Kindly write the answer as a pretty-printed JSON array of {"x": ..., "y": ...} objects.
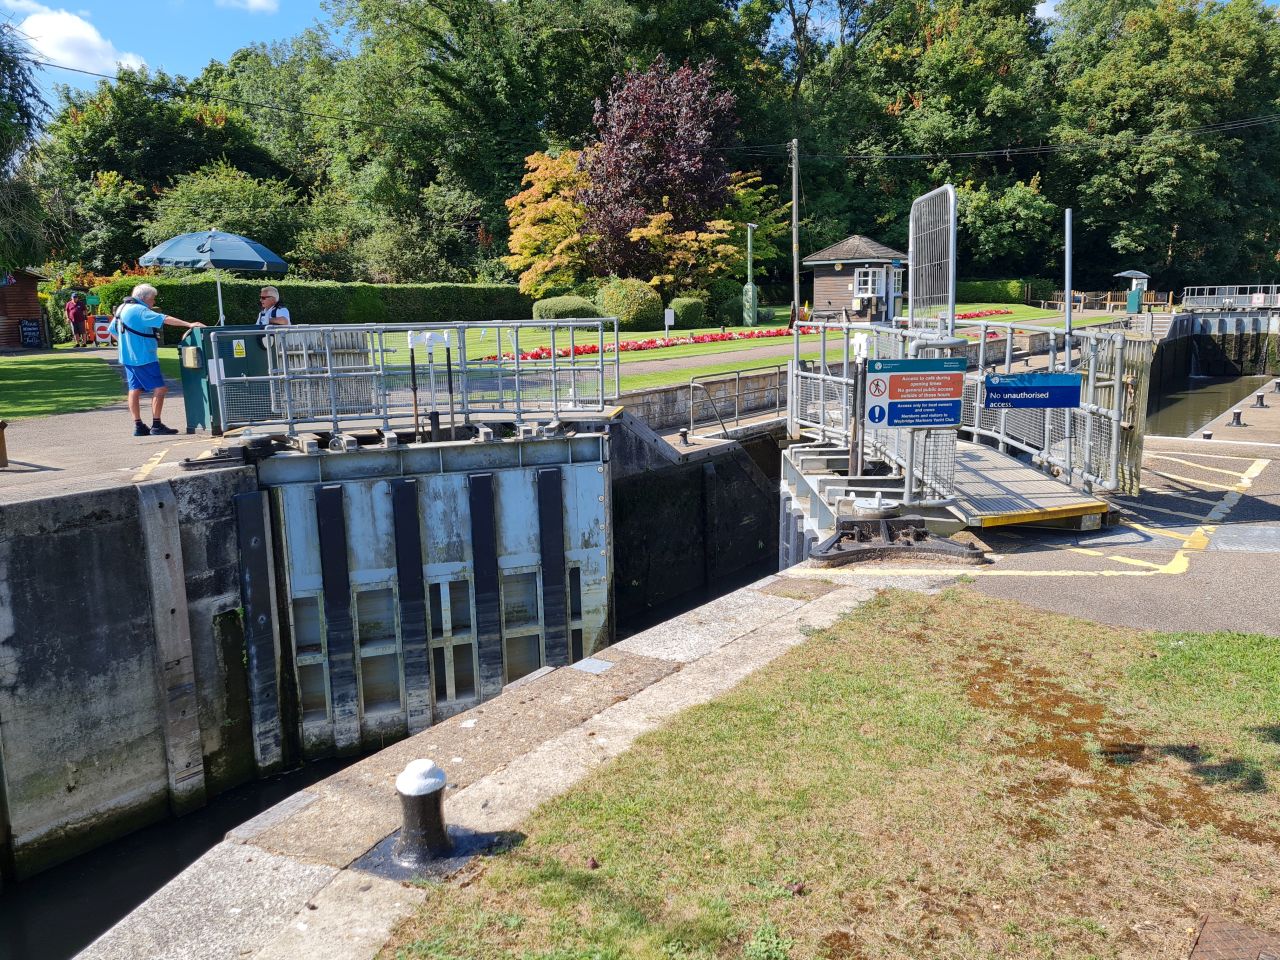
[
  {"x": 515, "y": 346},
  {"x": 600, "y": 366},
  {"x": 555, "y": 375},
  {"x": 333, "y": 383},
  {"x": 461, "y": 331}
]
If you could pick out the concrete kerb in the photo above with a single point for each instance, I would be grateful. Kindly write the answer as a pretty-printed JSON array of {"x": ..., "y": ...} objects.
[{"x": 321, "y": 909}]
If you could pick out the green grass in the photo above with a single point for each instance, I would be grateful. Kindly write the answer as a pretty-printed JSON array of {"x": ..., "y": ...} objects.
[
  {"x": 61, "y": 381},
  {"x": 944, "y": 775}
]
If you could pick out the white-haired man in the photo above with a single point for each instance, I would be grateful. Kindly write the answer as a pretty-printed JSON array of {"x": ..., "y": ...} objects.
[
  {"x": 272, "y": 313},
  {"x": 136, "y": 326}
]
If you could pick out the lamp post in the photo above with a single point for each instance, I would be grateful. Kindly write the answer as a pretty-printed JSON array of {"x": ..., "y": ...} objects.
[{"x": 749, "y": 298}]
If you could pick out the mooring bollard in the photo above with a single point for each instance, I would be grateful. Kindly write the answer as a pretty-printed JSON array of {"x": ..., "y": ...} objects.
[
  {"x": 423, "y": 837},
  {"x": 1275, "y": 385},
  {"x": 434, "y": 419},
  {"x": 1235, "y": 418},
  {"x": 1260, "y": 400},
  {"x": 1207, "y": 435},
  {"x": 684, "y": 436}
]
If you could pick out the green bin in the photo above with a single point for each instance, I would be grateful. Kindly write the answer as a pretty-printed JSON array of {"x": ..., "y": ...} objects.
[{"x": 244, "y": 356}]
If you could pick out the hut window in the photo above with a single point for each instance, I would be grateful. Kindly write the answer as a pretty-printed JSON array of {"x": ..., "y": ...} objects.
[
  {"x": 897, "y": 281},
  {"x": 865, "y": 283}
]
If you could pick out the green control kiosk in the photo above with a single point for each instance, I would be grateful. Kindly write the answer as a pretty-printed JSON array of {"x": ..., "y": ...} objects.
[{"x": 244, "y": 356}]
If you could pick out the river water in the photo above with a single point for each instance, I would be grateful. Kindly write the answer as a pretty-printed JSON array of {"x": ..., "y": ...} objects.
[
  {"x": 56, "y": 914},
  {"x": 1198, "y": 401}
]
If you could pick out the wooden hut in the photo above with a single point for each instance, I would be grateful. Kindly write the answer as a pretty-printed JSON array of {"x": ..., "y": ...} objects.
[
  {"x": 859, "y": 275},
  {"x": 20, "y": 311}
]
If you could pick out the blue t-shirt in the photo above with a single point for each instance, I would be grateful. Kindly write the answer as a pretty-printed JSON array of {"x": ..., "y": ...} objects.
[{"x": 135, "y": 351}]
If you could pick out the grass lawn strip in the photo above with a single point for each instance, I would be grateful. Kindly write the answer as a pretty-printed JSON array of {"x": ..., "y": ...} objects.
[
  {"x": 64, "y": 381},
  {"x": 942, "y": 775}
]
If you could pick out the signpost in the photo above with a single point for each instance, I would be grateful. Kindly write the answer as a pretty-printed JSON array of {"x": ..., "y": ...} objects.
[
  {"x": 1032, "y": 391},
  {"x": 915, "y": 393}
]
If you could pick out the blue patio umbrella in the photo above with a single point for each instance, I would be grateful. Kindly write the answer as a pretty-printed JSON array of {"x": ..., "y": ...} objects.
[{"x": 214, "y": 250}]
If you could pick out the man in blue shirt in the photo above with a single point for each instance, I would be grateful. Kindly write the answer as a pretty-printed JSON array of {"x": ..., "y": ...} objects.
[{"x": 136, "y": 326}]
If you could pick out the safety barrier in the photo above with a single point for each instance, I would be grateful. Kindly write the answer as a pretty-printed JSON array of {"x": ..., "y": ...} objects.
[{"x": 398, "y": 374}]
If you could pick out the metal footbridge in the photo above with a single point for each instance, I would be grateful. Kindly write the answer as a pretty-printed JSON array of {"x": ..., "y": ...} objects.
[{"x": 1048, "y": 467}]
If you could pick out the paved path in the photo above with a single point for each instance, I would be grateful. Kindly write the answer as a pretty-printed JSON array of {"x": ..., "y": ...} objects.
[
  {"x": 1198, "y": 550},
  {"x": 74, "y": 452}
]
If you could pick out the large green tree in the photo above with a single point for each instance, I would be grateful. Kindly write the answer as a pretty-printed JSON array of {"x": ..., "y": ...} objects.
[
  {"x": 1157, "y": 183},
  {"x": 22, "y": 221}
]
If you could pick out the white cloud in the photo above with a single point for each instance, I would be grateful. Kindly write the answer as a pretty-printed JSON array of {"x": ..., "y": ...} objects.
[
  {"x": 68, "y": 39},
  {"x": 253, "y": 6}
]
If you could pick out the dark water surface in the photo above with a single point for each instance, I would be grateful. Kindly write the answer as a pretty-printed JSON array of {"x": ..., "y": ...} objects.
[
  {"x": 56, "y": 914},
  {"x": 1197, "y": 401}
]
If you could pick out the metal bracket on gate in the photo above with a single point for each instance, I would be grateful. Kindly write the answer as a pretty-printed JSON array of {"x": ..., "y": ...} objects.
[{"x": 890, "y": 538}]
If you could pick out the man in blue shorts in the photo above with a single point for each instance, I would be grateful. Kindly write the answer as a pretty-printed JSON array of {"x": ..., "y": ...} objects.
[{"x": 136, "y": 326}]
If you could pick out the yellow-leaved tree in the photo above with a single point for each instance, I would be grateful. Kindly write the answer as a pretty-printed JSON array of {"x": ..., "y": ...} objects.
[{"x": 548, "y": 245}]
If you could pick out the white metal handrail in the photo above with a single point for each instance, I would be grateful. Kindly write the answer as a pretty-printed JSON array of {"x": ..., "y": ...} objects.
[{"x": 1231, "y": 297}]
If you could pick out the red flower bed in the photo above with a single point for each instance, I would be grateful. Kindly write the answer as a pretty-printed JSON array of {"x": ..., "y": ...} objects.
[
  {"x": 655, "y": 343},
  {"x": 978, "y": 314}
]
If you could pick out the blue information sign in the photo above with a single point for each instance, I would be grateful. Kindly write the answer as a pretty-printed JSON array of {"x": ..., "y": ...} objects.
[
  {"x": 915, "y": 393},
  {"x": 1032, "y": 391}
]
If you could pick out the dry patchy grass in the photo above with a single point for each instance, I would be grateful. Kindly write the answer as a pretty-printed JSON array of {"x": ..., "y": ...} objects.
[{"x": 947, "y": 776}]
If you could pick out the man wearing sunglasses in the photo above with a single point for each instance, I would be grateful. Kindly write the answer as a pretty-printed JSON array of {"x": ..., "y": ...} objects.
[{"x": 271, "y": 313}]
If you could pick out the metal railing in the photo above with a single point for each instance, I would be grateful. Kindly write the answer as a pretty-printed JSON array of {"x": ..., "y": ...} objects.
[
  {"x": 395, "y": 375},
  {"x": 745, "y": 400},
  {"x": 1098, "y": 445},
  {"x": 1231, "y": 298}
]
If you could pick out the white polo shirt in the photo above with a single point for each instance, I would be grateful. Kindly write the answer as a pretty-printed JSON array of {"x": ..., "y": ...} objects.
[{"x": 281, "y": 313}]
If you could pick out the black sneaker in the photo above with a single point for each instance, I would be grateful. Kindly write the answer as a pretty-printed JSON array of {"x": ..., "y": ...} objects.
[
  {"x": 141, "y": 430},
  {"x": 160, "y": 430}
]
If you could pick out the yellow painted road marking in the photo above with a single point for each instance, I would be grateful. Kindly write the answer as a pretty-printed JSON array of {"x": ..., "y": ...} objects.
[
  {"x": 150, "y": 465},
  {"x": 1162, "y": 492},
  {"x": 1198, "y": 466},
  {"x": 1144, "y": 507},
  {"x": 1247, "y": 478},
  {"x": 1192, "y": 453},
  {"x": 1155, "y": 531},
  {"x": 1190, "y": 482}
]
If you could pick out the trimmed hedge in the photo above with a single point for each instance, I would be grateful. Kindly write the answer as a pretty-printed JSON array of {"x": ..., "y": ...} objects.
[
  {"x": 564, "y": 308},
  {"x": 193, "y": 297},
  {"x": 989, "y": 291},
  {"x": 636, "y": 304},
  {"x": 690, "y": 312}
]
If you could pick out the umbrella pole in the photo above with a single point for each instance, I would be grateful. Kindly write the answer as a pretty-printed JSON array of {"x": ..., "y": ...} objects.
[{"x": 217, "y": 282}]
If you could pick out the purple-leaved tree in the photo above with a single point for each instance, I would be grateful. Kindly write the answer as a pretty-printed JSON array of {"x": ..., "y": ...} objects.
[{"x": 660, "y": 134}]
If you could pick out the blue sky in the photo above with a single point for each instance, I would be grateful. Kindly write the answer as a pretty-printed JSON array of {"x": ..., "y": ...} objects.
[{"x": 180, "y": 36}]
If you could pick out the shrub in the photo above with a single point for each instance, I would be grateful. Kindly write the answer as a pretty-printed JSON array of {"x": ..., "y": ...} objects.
[
  {"x": 636, "y": 305},
  {"x": 989, "y": 291},
  {"x": 193, "y": 297},
  {"x": 690, "y": 312},
  {"x": 564, "y": 308}
]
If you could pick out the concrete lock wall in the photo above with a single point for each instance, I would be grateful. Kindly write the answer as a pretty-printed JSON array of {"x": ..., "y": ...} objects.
[
  {"x": 105, "y": 715},
  {"x": 664, "y": 407}
]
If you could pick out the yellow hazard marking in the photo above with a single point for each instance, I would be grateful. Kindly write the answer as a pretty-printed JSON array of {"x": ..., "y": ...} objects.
[
  {"x": 1192, "y": 453},
  {"x": 1160, "y": 491},
  {"x": 1144, "y": 507},
  {"x": 1191, "y": 482},
  {"x": 1247, "y": 478},
  {"x": 1156, "y": 531},
  {"x": 1198, "y": 466},
  {"x": 150, "y": 465}
]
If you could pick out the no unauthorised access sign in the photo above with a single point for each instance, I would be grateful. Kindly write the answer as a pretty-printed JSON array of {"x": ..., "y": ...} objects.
[
  {"x": 1032, "y": 391},
  {"x": 915, "y": 393}
]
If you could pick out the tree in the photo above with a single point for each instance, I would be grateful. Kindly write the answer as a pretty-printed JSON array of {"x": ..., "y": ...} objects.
[
  {"x": 140, "y": 130},
  {"x": 660, "y": 134},
  {"x": 22, "y": 236},
  {"x": 220, "y": 197},
  {"x": 548, "y": 243},
  {"x": 694, "y": 259},
  {"x": 1150, "y": 191}
]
